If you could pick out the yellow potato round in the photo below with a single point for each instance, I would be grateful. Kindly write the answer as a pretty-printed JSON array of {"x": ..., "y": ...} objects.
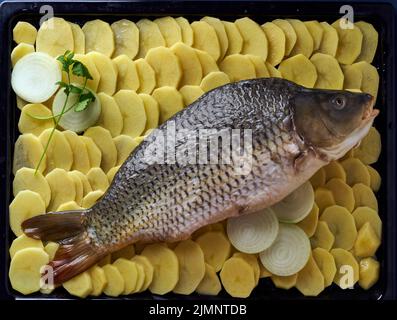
[
  {"x": 166, "y": 268},
  {"x": 29, "y": 179},
  {"x": 89, "y": 63},
  {"x": 69, "y": 206},
  {"x": 127, "y": 73},
  {"x": 170, "y": 30},
  {"x": 216, "y": 248},
  {"x": 83, "y": 178},
  {"x": 326, "y": 263},
  {"x": 129, "y": 273},
  {"x": 370, "y": 147},
  {"x": 365, "y": 214},
  {"x": 329, "y": 73},
  {"x": 51, "y": 248},
  {"x": 304, "y": 40},
  {"x": 78, "y": 38},
  {"x": 356, "y": 172},
  {"x": 310, "y": 281},
  {"x": 264, "y": 273},
  {"x": 369, "y": 273},
  {"x": 124, "y": 145},
  {"x": 375, "y": 179},
  {"x": 234, "y": 38},
  {"x": 98, "y": 179},
  {"x": 210, "y": 285},
  {"x": 54, "y": 37},
  {"x": 23, "y": 242},
  {"x": 81, "y": 159},
  {"x": 80, "y": 285},
  {"x": 255, "y": 41},
  {"x": 334, "y": 170},
  {"x": 323, "y": 237},
  {"x": 186, "y": 29},
  {"x": 350, "y": 41},
  {"x": 152, "y": 111},
  {"x": 344, "y": 258},
  {"x": 62, "y": 188},
  {"x": 370, "y": 41},
  {"x": 170, "y": 102},
  {"x": 149, "y": 37},
  {"x": 91, "y": 198},
  {"x": 206, "y": 39},
  {"x": 364, "y": 197},
  {"x": 208, "y": 64},
  {"x": 24, "y": 32},
  {"x": 370, "y": 78},
  {"x": 191, "y": 266},
  {"x": 27, "y": 153},
  {"x": 213, "y": 80},
  {"x": 237, "y": 277},
  {"x": 330, "y": 40},
  {"x": 252, "y": 261},
  {"x": 107, "y": 72},
  {"x": 104, "y": 142},
  {"x": 300, "y": 70},
  {"x": 353, "y": 77},
  {"x": 323, "y": 198},
  {"x": 261, "y": 70},
  {"x": 316, "y": 31},
  {"x": 147, "y": 76},
  {"x": 111, "y": 117},
  {"x": 147, "y": 268},
  {"x": 24, "y": 272},
  {"x": 284, "y": 282},
  {"x": 115, "y": 281},
  {"x": 343, "y": 194},
  {"x": 111, "y": 173},
  {"x": 367, "y": 241},
  {"x": 99, "y": 37},
  {"x": 78, "y": 184},
  {"x": 98, "y": 280},
  {"x": 318, "y": 179},
  {"x": 276, "y": 42},
  {"x": 126, "y": 37},
  {"x": 190, "y": 64},
  {"x": 289, "y": 32},
  {"x": 166, "y": 65},
  {"x": 20, "y": 51},
  {"x": 190, "y": 94},
  {"x": 238, "y": 67},
  {"x": 94, "y": 153},
  {"x": 309, "y": 223},
  {"x": 220, "y": 32}
]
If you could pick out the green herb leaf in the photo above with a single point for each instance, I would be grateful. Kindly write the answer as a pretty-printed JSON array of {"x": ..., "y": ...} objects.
[
  {"x": 81, "y": 105},
  {"x": 74, "y": 89},
  {"x": 88, "y": 95},
  {"x": 80, "y": 70}
]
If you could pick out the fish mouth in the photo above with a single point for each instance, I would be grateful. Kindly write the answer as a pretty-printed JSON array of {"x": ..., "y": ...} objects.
[{"x": 370, "y": 113}]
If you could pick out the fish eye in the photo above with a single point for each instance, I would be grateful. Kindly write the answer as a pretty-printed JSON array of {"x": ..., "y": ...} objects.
[{"x": 339, "y": 102}]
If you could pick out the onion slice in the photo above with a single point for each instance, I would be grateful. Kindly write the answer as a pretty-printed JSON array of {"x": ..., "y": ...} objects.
[
  {"x": 253, "y": 233},
  {"x": 35, "y": 76},
  {"x": 289, "y": 253},
  {"x": 297, "y": 205}
]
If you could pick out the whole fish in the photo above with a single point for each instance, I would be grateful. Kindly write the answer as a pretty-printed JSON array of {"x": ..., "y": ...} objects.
[{"x": 154, "y": 197}]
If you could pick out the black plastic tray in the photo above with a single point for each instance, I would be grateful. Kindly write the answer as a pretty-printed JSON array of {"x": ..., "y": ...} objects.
[{"x": 381, "y": 15}]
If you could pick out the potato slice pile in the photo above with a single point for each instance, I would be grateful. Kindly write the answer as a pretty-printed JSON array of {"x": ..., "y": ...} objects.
[{"x": 146, "y": 71}]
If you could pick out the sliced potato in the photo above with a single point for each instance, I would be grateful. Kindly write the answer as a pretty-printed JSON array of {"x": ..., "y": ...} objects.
[
  {"x": 24, "y": 32},
  {"x": 323, "y": 237},
  {"x": 170, "y": 30},
  {"x": 304, "y": 40},
  {"x": 111, "y": 117},
  {"x": 79, "y": 186},
  {"x": 147, "y": 77},
  {"x": 27, "y": 153},
  {"x": 344, "y": 258},
  {"x": 99, "y": 37},
  {"x": 370, "y": 147},
  {"x": 326, "y": 263},
  {"x": 213, "y": 80},
  {"x": 25, "y": 267},
  {"x": 20, "y": 51},
  {"x": 104, "y": 141},
  {"x": 300, "y": 70},
  {"x": 369, "y": 273},
  {"x": 206, "y": 39},
  {"x": 356, "y": 172},
  {"x": 342, "y": 225},
  {"x": 252, "y": 261},
  {"x": 129, "y": 273},
  {"x": 54, "y": 37},
  {"x": 310, "y": 281},
  {"x": 186, "y": 29},
  {"x": 133, "y": 112},
  {"x": 276, "y": 42},
  {"x": 51, "y": 248},
  {"x": 124, "y": 145},
  {"x": 98, "y": 179},
  {"x": 264, "y": 273},
  {"x": 220, "y": 32},
  {"x": 191, "y": 266},
  {"x": 318, "y": 179},
  {"x": 370, "y": 41},
  {"x": 23, "y": 242},
  {"x": 91, "y": 198},
  {"x": 375, "y": 178},
  {"x": 107, "y": 72},
  {"x": 364, "y": 197},
  {"x": 170, "y": 102},
  {"x": 273, "y": 71},
  {"x": 69, "y": 206},
  {"x": 127, "y": 73},
  {"x": 234, "y": 38},
  {"x": 78, "y": 38},
  {"x": 152, "y": 111},
  {"x": 350, "y": 41},
  {"x": 323, "y": 198},
  {"x": 210, "y": 285},
  {"x": 149, "y": 37},
  {"x": 62, "y": 188},
  {"x": 81, "y": 159},
  {"x": 329, "y": 73},
  {"x": 126, "y": 37},
  {"x": 255, "y": 41},
  {"x": 114, "y": 281},
  {"x": 94, "y": 153},
  {"x": 238, "y": 67},
  {"x": 309, "y": 223},
  {"x": 59, "y": 153},
  {"x": 166, "y": 268},
  {"x": 29, "y": 179},
  {"x": 334, "y": 170},
  {"x": 98, "y": 280},
  {"x": 290, "y": 34},
  {"x": 166, "y": 65},
  {"x": 89, "y": 63},
  {"x": 367, "y": 241},
  {"x": 80, "y": 285},
  {"x": 364, "y": 214},
  {"x": 330, "y": 40},
  {"x": 190, "y": 94},
  {"x": 343, "y": 194},
  {"x": 190, "y": 64},
  {"x": 353, "y": 77},
  {"x": 316, "y": 31},
  {"x": 216, "y": 248},
  {"x": 86, "y": 185},
  {"x": 111, "y": 173},
  {"x": 147, "y": 268},
  {"x": 261, "y": 70},
  {"x": 284, "y": 282}
]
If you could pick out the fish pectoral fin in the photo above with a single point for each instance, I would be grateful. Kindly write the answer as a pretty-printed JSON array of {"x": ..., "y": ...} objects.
[{"x": 302, "y": 160}]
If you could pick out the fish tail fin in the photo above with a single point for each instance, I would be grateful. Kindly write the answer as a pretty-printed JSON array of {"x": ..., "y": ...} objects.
[{"x": 76, "y": 253}]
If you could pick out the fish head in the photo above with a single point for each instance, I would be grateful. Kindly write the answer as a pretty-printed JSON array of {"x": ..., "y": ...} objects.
[{"x": 332, "y": 121}]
